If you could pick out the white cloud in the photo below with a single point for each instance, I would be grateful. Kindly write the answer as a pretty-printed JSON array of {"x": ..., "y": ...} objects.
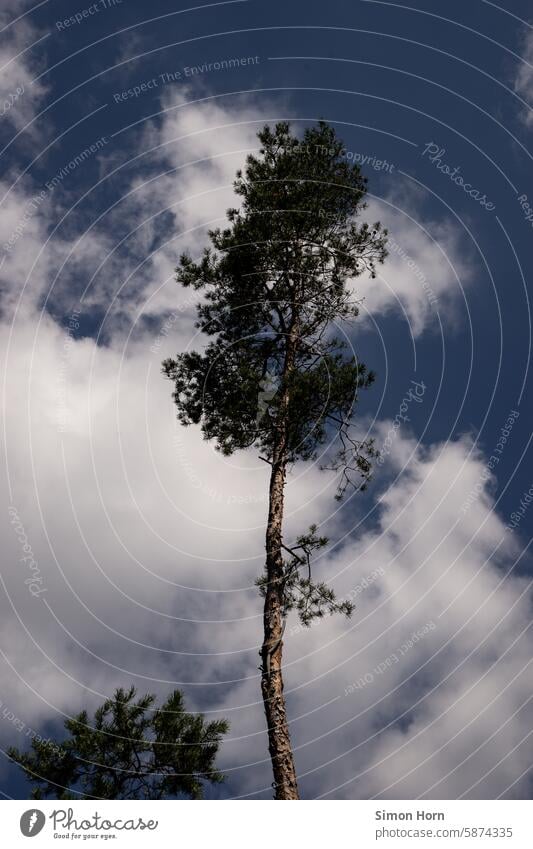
[
  {"x": 182, "y": 186},
  {"x": 424, "y": 275},
  {"x": 34, "y": 265},
  {"x": 196, "y": 150},
  {"x": 20, "y": 96},
  {"x": 203, "y": 144},
  {"x": 523, "y": 84},
  {"x": 133, "y": 521},
  {"x": 128, "y": 510},
  {"x": 446, "y": 716}
]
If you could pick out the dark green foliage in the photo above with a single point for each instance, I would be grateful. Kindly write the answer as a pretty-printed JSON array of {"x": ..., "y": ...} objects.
[
  {"x": 278, "y": 367},
  {"x": 310, "y": 599},
  {"x": 290, "y": 250},
  {"x": 130, "y": 751}
]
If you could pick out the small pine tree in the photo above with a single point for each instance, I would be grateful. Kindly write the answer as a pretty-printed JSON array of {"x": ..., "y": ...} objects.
[{"x": 130, "y": 751}]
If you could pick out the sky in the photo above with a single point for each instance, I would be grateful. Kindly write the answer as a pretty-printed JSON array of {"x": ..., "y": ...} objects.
[{"x": 129, "y": 546}]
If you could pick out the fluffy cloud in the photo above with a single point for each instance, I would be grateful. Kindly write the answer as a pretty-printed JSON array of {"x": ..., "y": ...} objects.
[
  {"x": 125, "y": 514},
  {"x": 38, "y": 266},
  {"x": 524, "y": 79},
  {"x": 442, "y": 714},
  {"x": 182, "y": 185},
  {"x": 19, "y": 94},
  {"x": 148, "y": 542},
  {"x": 423, "y": 278}
]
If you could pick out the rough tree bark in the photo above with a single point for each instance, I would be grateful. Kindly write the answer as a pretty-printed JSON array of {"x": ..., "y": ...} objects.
[{"x": 279, "y": 742}]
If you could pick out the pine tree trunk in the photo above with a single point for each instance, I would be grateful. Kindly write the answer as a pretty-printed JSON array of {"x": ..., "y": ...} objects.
[{"x": 279, "y": 742}]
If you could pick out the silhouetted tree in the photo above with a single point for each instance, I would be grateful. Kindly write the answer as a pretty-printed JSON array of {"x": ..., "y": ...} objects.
[
  {"x": 274, "y": 374},
  {"x": 130, "y": 751}
]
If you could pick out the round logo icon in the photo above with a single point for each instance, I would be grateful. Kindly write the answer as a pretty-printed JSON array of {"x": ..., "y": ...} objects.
[{"x": 32, "y": 822}]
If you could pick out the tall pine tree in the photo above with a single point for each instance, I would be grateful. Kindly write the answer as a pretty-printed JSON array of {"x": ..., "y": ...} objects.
[{"x": 276, "y": 372}]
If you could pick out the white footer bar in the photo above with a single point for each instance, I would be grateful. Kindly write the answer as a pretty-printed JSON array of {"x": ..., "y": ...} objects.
[{"x": 245, "y": 824}]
